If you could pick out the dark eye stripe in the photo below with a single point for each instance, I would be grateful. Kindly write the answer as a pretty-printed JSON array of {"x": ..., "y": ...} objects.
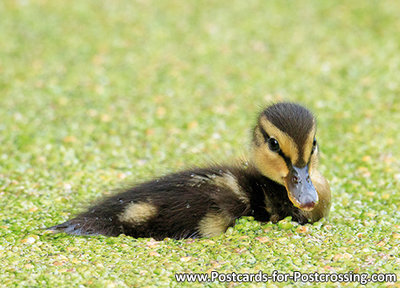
[
  {"x": 287, "y": 159},
  {"x": 280, "y": 153},
  {"x": 314, "y": 147}
]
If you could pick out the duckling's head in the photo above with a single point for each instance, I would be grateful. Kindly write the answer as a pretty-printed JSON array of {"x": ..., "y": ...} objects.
[{"x": 284, "y": 149}]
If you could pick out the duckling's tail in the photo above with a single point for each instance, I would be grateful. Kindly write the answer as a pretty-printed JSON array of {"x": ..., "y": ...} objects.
[{"x": 87, "y": 226}]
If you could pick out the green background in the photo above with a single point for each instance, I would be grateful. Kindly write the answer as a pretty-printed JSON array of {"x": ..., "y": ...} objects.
[{"x": 98, "y": 94}]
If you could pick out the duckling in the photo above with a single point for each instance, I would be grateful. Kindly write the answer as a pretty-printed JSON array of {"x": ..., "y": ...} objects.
[{"x": 280, "y": 179}]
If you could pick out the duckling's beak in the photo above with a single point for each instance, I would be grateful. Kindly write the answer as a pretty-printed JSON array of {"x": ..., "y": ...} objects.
[{"x": 300, "y": 189}]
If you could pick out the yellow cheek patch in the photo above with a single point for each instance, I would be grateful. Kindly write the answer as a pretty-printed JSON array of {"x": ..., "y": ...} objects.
[
  {"x": 138, "y": 213},
  {"x": 270, "y": 164},
  {"x": 308, "y": 145},
  {"x": 214, "y": 224},
  {"x": 286, "y": 143},
  {"x": 314, "y": 160}
]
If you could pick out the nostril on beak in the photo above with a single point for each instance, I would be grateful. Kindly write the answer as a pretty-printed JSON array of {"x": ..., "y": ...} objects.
[{"x": 296, "y": 179}]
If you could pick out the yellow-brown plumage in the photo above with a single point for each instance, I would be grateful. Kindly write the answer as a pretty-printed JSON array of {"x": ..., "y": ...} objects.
[{"x": 280, "y": 179}]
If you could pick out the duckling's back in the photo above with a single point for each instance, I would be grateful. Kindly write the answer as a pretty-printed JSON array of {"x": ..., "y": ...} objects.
[{"x": 188, "y": 204}]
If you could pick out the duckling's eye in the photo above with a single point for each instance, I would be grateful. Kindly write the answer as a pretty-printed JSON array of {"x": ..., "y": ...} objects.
[
  {"x": 314, "y": 145},
  {"x": 273, "y": 144}
]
